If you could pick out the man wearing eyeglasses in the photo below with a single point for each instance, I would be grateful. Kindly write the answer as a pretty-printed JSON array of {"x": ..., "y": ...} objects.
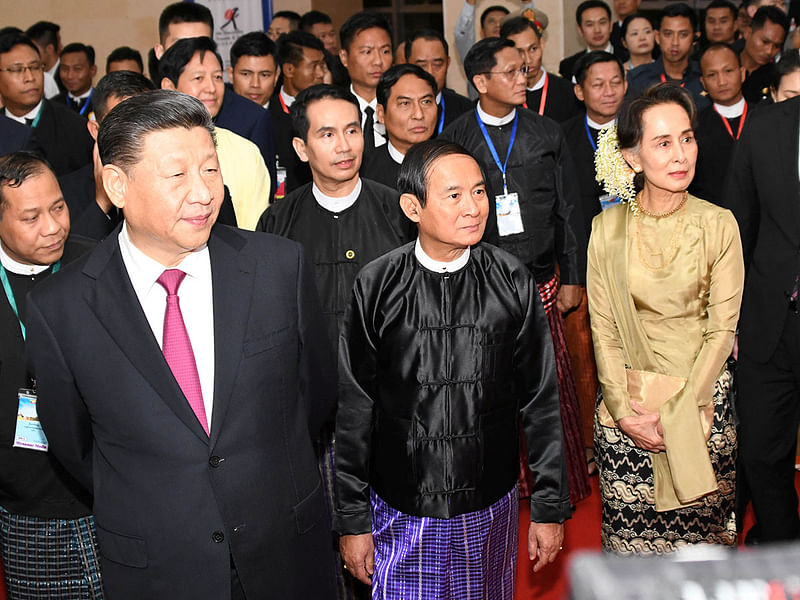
[
  {"x": 534, "y": 206},
  {"x": 61, "y": 133}
]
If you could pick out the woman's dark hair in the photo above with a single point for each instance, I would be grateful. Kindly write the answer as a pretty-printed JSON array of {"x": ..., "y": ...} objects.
[
  {"x": 788, "y": 64},
  {"x": 418, "y": 162},
  {"x": 623, "y": 30}
]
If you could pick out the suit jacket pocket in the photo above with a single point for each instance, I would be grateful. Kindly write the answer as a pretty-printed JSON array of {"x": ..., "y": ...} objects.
[
  {"x": 123, "y": 549},
  {"x": 264, "y": 342},
  {"x": 307, "y": 512}
]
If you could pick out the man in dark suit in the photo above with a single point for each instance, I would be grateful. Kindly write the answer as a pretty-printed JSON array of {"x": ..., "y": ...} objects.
[
  {"x": 762, "y": 192},
  {"x": 16, "y": 136},
  {"x": 47, "y": 37},
  {"x": 198, "y": 450},
  {"x": 593, "y": 18},
  {"x": 77, "y": 71},
  {"x": 62, "y": 134}
]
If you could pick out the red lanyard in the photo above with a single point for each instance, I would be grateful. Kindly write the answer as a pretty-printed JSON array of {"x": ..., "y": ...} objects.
[
  {"x": 283, "y": 104},
  {"x": 543, "y": 100},
  {"x": 728, "y": 125},
  {"x": 664, "y": 80}
]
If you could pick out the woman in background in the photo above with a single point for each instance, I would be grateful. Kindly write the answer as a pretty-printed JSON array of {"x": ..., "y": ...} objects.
[{"x": 638, "y": 37}]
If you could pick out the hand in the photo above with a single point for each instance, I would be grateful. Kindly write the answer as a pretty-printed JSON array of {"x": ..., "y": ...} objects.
[
  {"x": 569, "y": 296},
  {"x": 544, "y": 542},
  {"x": 644, "y": 429},
  {"x": 358, "y": 554}
]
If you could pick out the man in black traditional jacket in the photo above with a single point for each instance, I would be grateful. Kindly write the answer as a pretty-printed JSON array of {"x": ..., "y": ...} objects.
[
  {"x": 445, "y": 349},
  {"x": 342, "y": 221},
  {"x": 534, "y": 204}
]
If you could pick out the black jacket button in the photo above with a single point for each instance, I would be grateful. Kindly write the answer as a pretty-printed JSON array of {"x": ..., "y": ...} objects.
[{"x": 218, "y": 537}]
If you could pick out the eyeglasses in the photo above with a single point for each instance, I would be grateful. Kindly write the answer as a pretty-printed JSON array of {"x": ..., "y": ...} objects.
[
  {"x": 19, "y": 70},
  {"x": 510, "y": 75}
]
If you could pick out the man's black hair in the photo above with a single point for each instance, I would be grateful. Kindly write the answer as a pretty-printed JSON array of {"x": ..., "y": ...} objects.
[
  {"x": 122, "y": 84},
  {"x": 582, "y": 65},
  {"x": 359, "y": 22},
  {"x": 723, "y": 4},
  {"x": 429, "y": 35},
  {"x": 183, "y": 12},
  {"x": 124, "y": 53},
  {"x": 299, "y": 110},
  {"x": 44, "y": 33},
  {"x": 719, "y": 46},
  {"x": 16, "y": 168},
  {"x": 175, "y": 59},
  {"x": 385, "y": 84},
  {"x": 482, "y": 58},
  {"x": 679, "y": 9},
  {"x": 491, "y": 9},
  {"x": 313, "y": 17},
  {"x": 586, "y": 5},
  {"x": 291, "y": 16},
  {"x": 255, "y": 43},
  {"x": 13, "y": 38},
  {"x": 418, "y": 162},
  {"x": 290, "y": 46},
  {"x": 77, "y": 47},
  {"x": 519, "y": 25},
  {"x": 769, "y": 13}
]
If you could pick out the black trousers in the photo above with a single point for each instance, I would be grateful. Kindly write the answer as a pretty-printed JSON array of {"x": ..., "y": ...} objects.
[{"x": 768, "y": 405}]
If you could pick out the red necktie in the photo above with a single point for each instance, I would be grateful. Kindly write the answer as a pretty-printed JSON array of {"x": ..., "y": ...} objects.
[{"x": 177, "y": 347}]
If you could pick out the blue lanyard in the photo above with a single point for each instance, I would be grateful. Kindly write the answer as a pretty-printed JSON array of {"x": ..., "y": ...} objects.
[
  {"x": 85, "y": 104},
  {"x": 492, "y": 148},
  {"x": 589, "y": 133},
  {"x": 10, "y": 293},
  {"x": 441, "y": 119},
  {"x": 38, "y": 115}
]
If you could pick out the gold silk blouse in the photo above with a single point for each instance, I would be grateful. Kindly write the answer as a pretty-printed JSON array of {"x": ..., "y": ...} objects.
[{"x": 664, "y": 296}]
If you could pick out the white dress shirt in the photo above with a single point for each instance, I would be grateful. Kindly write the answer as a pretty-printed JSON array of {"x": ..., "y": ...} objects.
[
  {"x": 195, "y": 298},
  {"x": 287, "y": 99},
  {"x": 379, "y": 130},
  {"x": 396, "y": 155},
  {"x": 438, "y": 266},
  {"x": 13, "y": 266},
  {"x": 731, "y": 112},
  {"x": 496, "y": 121},
  {"x": 600, "y": 126},
  {"x": 336, "y": 205},
  {"x": 30, "y": 115}
]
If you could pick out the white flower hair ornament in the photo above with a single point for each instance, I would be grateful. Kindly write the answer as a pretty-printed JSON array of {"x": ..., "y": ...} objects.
[{"x": 612, "y": 170}]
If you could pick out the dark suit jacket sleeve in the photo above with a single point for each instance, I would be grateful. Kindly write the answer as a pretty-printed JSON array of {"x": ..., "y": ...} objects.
[
  {"x": 92, "y": 223},
  {"x": 317, "y": 369},
  {"x": 741, "y": 195},
  {"x": 569, "y": 238},
  {"x": 63, "y": 414}
]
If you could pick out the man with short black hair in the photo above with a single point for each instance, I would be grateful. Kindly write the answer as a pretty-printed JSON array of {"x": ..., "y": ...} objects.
[
  {"x": 61, "y": 133},
  {"x": 124, "y": 58},
  {"x": 47, "y": 37},
  {"x": 719, "y": 126},
  {"x": 343, "y": 222},
  {"x": 534, "y": 204},
  {"x": 719, "y": 22},
  {"x": 319, "y": 25},
  {"x": 428, "y": 49},
  {"x": 366, "y": 53},
  {"x": 193, "y": 66},
  {"x": 77, "y": 71},
  {"x": 675, "y": 34},
  {"x": 254, "y": 69},
  {"x": 283, "y": 22},
  {"x": 407, "y": 107},
  {"x": 763, "y": 40},
  {"x": 593, "y": 19},
  {"x": 301, "y": 57},
  {"x": 547, "y": 94}
]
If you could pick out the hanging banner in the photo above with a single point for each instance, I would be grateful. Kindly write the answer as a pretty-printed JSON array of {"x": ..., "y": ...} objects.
[{"x": 234, "y": 18}]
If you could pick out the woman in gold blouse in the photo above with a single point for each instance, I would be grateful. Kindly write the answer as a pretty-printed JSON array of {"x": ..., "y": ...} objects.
[{"x": 664, "y": 284}]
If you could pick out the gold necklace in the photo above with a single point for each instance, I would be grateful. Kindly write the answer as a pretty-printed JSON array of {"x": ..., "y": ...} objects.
[
  {"x": 659, "y": 215},
  {"x": 672, "y": 249}
]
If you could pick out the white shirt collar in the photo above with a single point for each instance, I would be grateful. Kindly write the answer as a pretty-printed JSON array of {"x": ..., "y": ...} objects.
[
  {"x": 30, "y": 115},
  {"x": 82, "y": 96},
  {"x": 539, "y": 84},
  {"x": 439, "y": 98},
  {"x": 731, "y": 112},
  {"x": 265, "y": 105},
  {"x": 12, "y": 266},
  {"x": 287, "y": 99},
  {"x": 609, "y": 48},
  {"x": 598, "y": 126},
  {"x": 438, "y": 266},
  {"x": 54, "y": 69},
  {"x": 336, "y": 205},
  {"x": 145, "y": 271},
  {"x": 496, "y": 121},
  {"x": 362, "y": 104},
  {"x": 396, "y": 155}
]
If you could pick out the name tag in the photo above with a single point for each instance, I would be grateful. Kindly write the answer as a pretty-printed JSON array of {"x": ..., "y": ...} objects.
[
  {"x": 509, "y": 217},
  {"x": 607, "y": 201},
  {"x": 280, "y": 175},
  {"x": 29, "y": 433}
]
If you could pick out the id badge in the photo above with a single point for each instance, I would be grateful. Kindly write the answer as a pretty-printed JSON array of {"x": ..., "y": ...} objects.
[
  {"x": 509, "y": 217},
  {"x": 280, "y": 189},
  {"x": 29, "y": 433},
  {"x": 607, "y": 201}
]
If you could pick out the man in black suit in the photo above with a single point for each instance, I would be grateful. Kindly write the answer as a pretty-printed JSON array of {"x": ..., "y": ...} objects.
[
  {"x": 198, "y": 450},
  {"x": 428, "y": 49},
  {"x": 47, "y": 37},
  {"x": 762, "y": 192},
  {"x": 593, "y": 18},
  {"x": 46, "y": 527},
  {"x": 77, "y": 71},
  {"x": 62, "y": 134},
  {"x": 16, "y": 136}
]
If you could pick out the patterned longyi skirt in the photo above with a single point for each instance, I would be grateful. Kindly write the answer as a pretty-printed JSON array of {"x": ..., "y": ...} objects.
[{"x": 630, "y": 523}]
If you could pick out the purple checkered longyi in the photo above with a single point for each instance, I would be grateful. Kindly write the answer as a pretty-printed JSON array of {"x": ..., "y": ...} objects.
[{"x": 470, "y": 557}]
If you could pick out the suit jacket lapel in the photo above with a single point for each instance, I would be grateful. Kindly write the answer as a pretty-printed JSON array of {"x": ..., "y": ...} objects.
[
  {"x": 116, "y": 306},
  {"x": 789, "y": 147},
  {"x": 232, "y": 277}
]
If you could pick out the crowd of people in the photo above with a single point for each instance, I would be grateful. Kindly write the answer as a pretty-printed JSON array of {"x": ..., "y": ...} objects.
[{"x": 554, "y": 277}]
